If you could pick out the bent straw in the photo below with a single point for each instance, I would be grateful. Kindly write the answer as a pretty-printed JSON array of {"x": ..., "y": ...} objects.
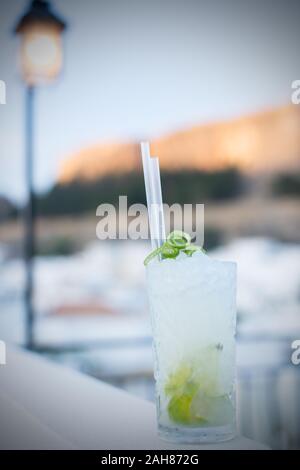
[{"x": 154, "y": 196}]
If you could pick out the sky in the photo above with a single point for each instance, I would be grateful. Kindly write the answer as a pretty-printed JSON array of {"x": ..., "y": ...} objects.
[{"x": 136, "y": 69}]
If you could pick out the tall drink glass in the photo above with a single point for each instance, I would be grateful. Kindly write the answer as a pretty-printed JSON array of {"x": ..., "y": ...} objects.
[{"x": 193, "y": 312}]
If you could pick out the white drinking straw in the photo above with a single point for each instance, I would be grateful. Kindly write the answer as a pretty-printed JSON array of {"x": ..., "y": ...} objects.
[{"x": 154, "y": 196}]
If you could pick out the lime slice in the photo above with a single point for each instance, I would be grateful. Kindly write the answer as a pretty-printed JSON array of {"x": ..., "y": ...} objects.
[
  {"x": 194, "y": 392},
  {"x": 179, "y": 407},
  {"x": 178, "y": 379}
]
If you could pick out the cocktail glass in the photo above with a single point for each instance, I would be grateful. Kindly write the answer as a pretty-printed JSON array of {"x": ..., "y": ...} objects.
[{"x": 193, "y": 312}]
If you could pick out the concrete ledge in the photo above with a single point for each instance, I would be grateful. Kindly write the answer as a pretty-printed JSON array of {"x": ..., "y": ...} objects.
[{"x": 47, "y": 406}]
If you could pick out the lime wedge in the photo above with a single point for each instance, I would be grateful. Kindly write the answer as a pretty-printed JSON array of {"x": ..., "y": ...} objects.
[
  {"x": 178, "y": 379},
  {"x": 179, "y": 407}
]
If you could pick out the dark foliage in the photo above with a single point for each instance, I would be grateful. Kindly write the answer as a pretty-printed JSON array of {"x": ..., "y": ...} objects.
[
  {"x": 181, "y": 187},
  {"x": 287, "y": 185}
]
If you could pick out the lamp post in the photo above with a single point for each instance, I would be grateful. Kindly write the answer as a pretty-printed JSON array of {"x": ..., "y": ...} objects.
[{"x": 41, "y": 58}]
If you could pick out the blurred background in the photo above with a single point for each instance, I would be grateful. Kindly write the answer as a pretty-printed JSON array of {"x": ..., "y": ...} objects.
[{"x": 209, "y": 84}]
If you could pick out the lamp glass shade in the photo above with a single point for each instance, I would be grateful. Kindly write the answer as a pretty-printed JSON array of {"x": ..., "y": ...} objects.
[{"x": 41, "y": 53}]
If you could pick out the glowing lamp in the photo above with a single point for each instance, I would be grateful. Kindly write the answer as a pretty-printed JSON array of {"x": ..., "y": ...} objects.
[{"x": 41, "y": 52}]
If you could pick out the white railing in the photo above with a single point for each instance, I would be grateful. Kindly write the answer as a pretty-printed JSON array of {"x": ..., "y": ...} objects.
[{"x": 46, "y": 406}]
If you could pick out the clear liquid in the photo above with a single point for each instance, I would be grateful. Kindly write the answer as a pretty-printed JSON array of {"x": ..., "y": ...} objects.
[{"x": 193, "y": 313}]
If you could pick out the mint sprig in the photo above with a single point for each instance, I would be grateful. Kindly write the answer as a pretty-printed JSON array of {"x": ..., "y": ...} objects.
[{"x": 177, "y": 242}]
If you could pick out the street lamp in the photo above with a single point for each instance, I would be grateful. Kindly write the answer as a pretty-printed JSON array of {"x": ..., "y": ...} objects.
[{"x": 41, "y": 58}]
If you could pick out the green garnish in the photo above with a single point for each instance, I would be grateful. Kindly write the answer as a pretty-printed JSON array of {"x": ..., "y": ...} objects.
[
  {"x": 193, "y": 391},
  {"x": 180, "y": 407},
  {"x": 176, "y": 242},
  {"x": 177, "y": 379}
]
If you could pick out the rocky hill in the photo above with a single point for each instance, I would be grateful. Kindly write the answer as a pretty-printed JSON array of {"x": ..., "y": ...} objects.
[{"x": 266, "y": 142}]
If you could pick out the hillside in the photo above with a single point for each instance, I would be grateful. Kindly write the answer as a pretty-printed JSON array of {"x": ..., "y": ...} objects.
[{"x": 266, "y": 142}]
